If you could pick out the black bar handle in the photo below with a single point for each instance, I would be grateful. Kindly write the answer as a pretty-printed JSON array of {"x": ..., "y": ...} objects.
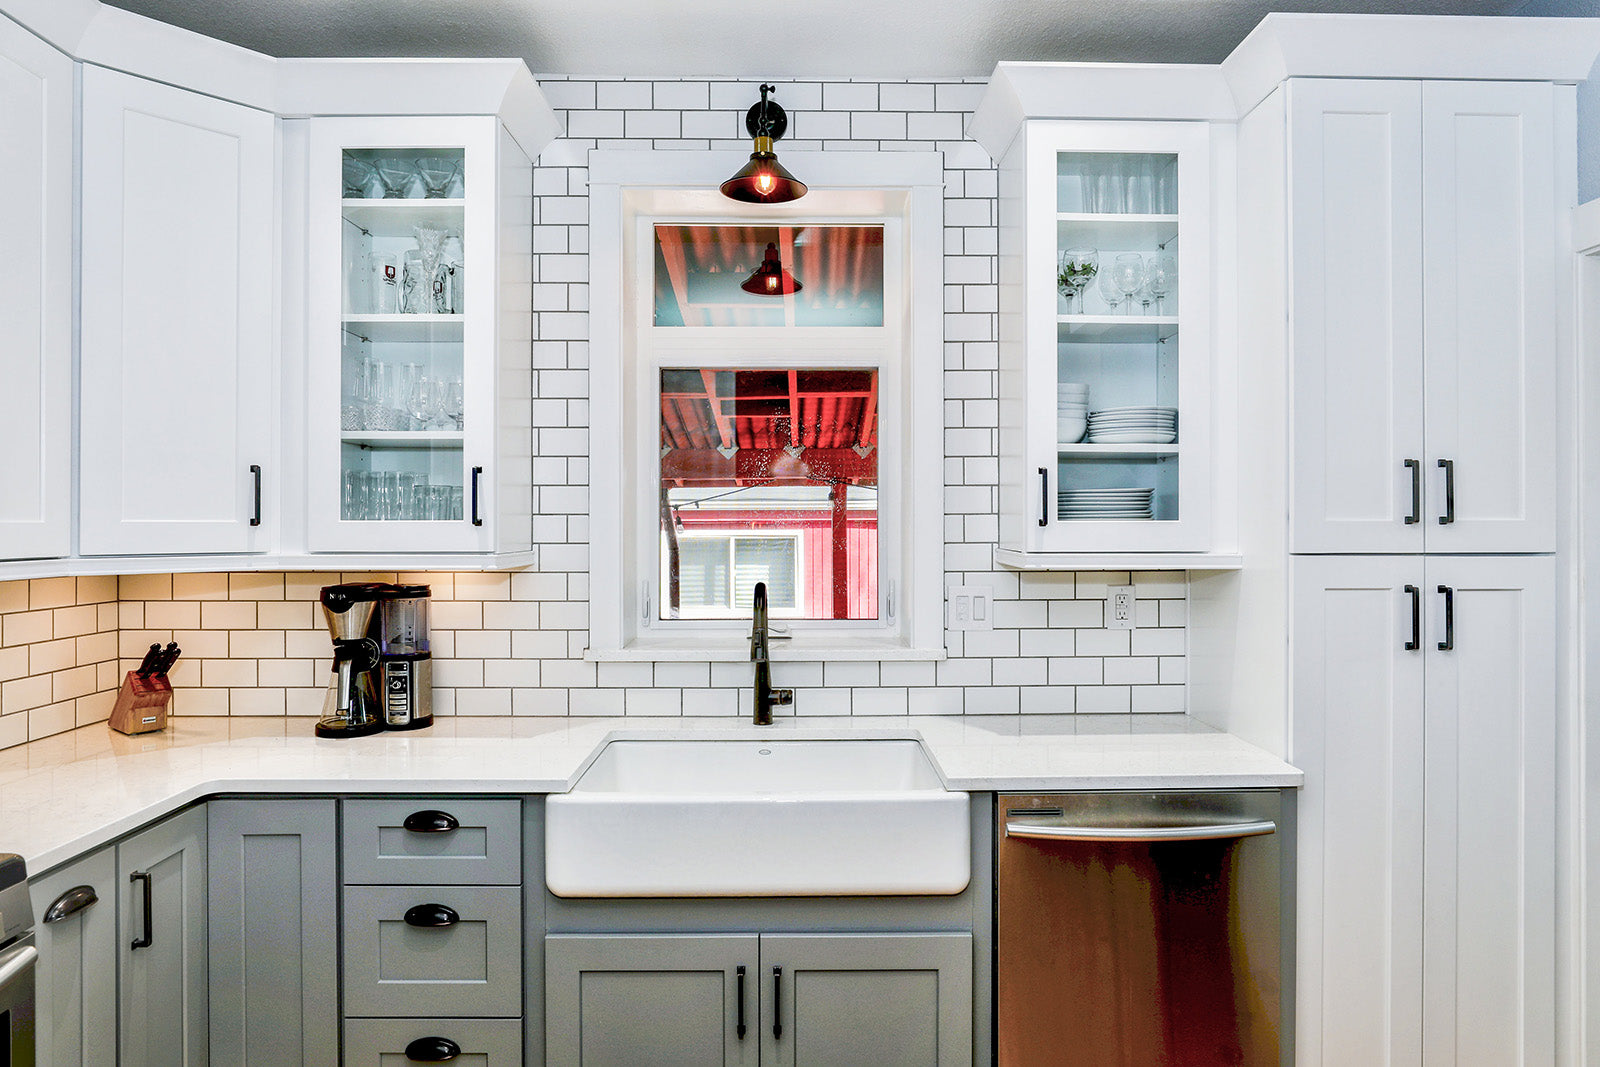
[
  {"x": 431, "y": 916},
  {"x": 477, "y": 475},
  {"x": 70, "y": 903},
  {"x": 431, "y": 821},
  {"x": 1416, "y": 619},
  {"x": 1449, "y": 641},
  {"x": 1416, "y": 492},
  {"x": 1044, "y": 497},
  {"x": 149, "y": 922},
  {"x": 432, "y": 1050},
  {"x": 777, "y": 1002},
  {"x": 739, "y": 981},
  {"x": 1449, "y": 515},
  {"x": 255, "y": 472}
]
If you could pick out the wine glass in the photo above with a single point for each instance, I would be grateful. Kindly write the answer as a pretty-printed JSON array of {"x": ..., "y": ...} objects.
[
  {"x": 357, "y": 176},
  {"x": 1161, "y": 274},
  {"x": 397, "y": 176},
  {"x": 436, "y": 173},
  {"x": 1128, "y": 270},
  {"x": 421, "y": 399},
  {"x": 1109, "y": 290},
  {"x": 1075, "y": 271},
  {"x": 406, "y": 390},
  {"x": 453, "y": 402}
]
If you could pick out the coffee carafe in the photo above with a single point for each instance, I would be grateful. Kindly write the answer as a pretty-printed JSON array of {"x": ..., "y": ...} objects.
[
  {"x": 406, "y": 661},
  {"x": 352, "y": 707}
]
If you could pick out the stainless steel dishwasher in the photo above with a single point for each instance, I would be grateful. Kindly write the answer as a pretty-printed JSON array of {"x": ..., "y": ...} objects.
[{"x": 1143, "y": 929}]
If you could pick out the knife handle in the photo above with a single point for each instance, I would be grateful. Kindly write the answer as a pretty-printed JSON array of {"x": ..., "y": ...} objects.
[{"x": 147, "y": 666}]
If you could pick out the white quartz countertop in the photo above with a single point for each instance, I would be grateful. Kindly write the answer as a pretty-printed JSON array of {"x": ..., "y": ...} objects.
[{"x": 65, "y": 795}]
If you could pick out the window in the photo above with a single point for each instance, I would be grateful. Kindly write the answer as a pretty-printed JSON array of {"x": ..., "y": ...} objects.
[{"x": 765, "y": 395}]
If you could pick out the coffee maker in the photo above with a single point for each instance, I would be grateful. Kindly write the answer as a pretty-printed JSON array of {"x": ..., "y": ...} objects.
[
  {"x": 405, "y": 659},
  {"x": 352, "y": 707}
]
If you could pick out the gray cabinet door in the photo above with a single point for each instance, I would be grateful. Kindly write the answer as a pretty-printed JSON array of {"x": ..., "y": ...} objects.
[
  {"x": 666, "y": 1000},
  {"x": 77, "y": 973},
  {"x": 397, "y": 963},
  {"x": 466, "y": 1042},
  {"x": 451, "y": 841},
  {"x": 162, "y": 984},
  {"x": 274, "y": 923},
  {"x": 884, "y": 1000}
]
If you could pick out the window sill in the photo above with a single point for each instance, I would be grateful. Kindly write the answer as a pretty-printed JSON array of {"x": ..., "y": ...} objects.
[{"x": 735, "y": 648}]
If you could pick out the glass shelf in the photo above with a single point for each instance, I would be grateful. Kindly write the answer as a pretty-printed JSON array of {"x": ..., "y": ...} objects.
[
  {"x": 1122, "y": 231},
  {"x": 1117, "y": 329}
]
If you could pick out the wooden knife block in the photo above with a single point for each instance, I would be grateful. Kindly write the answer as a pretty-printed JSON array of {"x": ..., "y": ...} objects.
[{"x": 142, "y": 704}]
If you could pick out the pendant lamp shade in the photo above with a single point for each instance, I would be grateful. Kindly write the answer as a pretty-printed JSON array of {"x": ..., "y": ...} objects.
[
  {"x": 771, "y": 279},
  {"x": 764, "y": 180}
]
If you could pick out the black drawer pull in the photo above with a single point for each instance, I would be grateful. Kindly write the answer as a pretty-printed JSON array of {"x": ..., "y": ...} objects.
[
  {"x": 431, "y": 916},
  {"x": 1416, "y": 618},
  {"x": 1415, "y": 467},
  {"x": 777, "y": 1002},
  {"x": 739, "y": 972},
  {"x": 149, "y": 920},
  {"x": 70, "y": 903},
  {"x": 431, "y": 822},
  {"x": 1449, "y": 515},
  {"x": 1449, "y": 642},
  {"x": 432, "y": 1050}
]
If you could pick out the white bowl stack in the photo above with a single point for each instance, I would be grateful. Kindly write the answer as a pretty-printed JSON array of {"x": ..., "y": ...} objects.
[
  {"x": 1134, "y": 426},
  {"x": 1072, "y": 411}
]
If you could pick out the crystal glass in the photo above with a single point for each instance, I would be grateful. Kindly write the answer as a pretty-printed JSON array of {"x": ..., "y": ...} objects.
[
  {"x": 426, "y": 295},
  {"x": 358, "y": 176},
  {"x": 414, "y": 290},
  {"x": 421, "y": 401},
  {"x": 397, "y": 176},
  {"x": 436, "y": 173},
  {"x": 1109, "y": 290},
  {"x": 1074, "y": 272},
  {"x": 1128, "y": 270},
  {"x": 1141, "y": 179},
  {"x": 453, "y": 402},
  {"x": 1161, "y": 274},
  {"x": 406, "y": 386}
]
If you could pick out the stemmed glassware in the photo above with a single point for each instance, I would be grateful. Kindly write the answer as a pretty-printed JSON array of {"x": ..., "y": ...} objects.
[
  {"x": 453, "y": 403},
  {"x": 1161, "y": 274},
  {"x": 1128, "y": 271},
  {"x": 1109, "y": 290},
  {"x": 397, "y": 176},
  {"x": 358, "y": 175},
  {"x": 422, "y": 400},
  {"x": 436, "y": 172},
  {"x": 1075, "y": 270}
]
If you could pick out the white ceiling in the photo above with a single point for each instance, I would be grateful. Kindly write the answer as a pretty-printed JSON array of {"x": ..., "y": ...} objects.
[{"x": 749, "y": 38}]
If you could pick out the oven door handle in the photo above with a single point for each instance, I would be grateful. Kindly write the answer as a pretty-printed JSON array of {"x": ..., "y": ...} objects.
[
  {"x": 1149, "y": 834},
  {"x": 15, "y": 963}
]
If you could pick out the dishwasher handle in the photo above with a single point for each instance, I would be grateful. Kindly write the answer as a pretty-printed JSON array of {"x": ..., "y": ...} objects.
[{"x": 1053, "y": 831}]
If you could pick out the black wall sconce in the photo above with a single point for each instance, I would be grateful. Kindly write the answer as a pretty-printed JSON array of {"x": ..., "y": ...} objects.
[
  {"x": 771, "y": 279},
  {"x": 764, "y": 180}
]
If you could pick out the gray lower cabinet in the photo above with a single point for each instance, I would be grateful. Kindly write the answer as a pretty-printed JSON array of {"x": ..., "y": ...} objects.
[
  {"x": 161, "y": 957},
  {"x": 458, "y": 1042},
  {"x": 667, "y": 1000},
  {"x": 274, "y": 959},
  {"x": 804, "y": 1000},
  {"x": 75, "y": 924},
  {"x": 433, "y": 841}
]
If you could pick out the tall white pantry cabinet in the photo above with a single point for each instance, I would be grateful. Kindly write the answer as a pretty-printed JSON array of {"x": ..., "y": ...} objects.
[{"x": 1403, "y": 372}]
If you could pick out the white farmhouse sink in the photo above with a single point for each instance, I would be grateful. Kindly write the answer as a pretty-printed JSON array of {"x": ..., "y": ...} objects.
[{"x": 757, "y": 818}]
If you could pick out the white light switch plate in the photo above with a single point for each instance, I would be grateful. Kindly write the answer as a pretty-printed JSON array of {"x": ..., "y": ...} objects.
[
  {"x": 970, "y": 607},
  {"x": 1119, "y": 607}
]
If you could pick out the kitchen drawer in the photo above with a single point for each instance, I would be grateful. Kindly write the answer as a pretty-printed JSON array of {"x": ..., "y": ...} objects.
[
  {"x": 483, "y": 1042},
  {"x": 473, "y": 966},
  {"x": 483, "y": 848}
]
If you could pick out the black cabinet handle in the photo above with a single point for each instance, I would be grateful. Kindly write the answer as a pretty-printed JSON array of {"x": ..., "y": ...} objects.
[
  {"x": 431, "y": 916},
  {"x": 1044, "y": 497},
  {"x": 1416, "y": 492},
  {"x": 777, "y": 1002},
  {"x": 477, "y": 476},
  {"x": 149, "y": 923},
  {"x": 432, "y": 1050},
  {"x": 739, "y": 980},
  {"x": 70, "y": 903},
  {"x": 1449, "y": 515},
  {"x": 255, "y": 472},
  {"x": 1416, "y": 619},
  {"x": 1449, "y": 641},
  {"x": 430, "y": 822}
]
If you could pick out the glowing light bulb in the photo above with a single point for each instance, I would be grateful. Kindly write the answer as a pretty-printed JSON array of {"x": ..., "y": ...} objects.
[
  {"x": 765, "y": 182},
  {"x": 772, "y": 284}
]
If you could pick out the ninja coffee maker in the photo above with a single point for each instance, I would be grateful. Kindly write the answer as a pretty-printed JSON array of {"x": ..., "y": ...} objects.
[
  {"x": 352, "y": 707},
  {"x": 382, "y": 665},
  {"x": 405, "y": 661}
]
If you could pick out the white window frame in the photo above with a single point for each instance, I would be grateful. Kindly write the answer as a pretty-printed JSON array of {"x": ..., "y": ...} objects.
[{"x": 629, "y": 193}]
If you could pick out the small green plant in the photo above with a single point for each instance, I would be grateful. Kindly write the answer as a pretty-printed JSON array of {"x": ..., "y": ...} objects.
[{"x": 1075, "y": 276}]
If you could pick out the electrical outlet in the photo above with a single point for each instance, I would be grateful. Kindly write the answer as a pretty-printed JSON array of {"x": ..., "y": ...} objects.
[
  {"x": 971, "y": 607},
  {"x": 1119, "y": 607}
]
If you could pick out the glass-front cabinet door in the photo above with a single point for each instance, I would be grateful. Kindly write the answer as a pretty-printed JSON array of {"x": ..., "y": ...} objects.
[
  {"x": 402, "y": 334},
  {"x": 1115, "y": 306}
]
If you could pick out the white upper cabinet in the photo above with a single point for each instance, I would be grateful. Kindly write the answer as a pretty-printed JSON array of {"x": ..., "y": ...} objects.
[
  {"x": 1422, "y": 316},
  {"x": 1105, "y": 352},
  {"x": 36, "y": 115},
  {"x": 178, "y": 395}
]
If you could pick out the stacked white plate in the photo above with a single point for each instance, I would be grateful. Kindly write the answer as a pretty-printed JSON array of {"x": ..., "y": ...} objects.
[
  {"x": 1134, "y": 426},
  {"x": 1072, "y": 411},
  {"x": 1105, "y": 504}
]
